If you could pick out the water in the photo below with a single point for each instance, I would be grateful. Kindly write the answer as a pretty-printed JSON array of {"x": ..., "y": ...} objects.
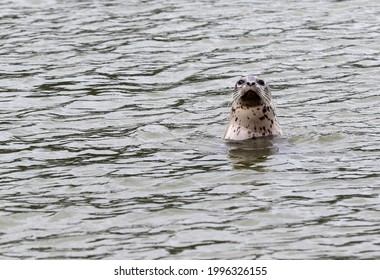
[{"x": 112, "y": 115}]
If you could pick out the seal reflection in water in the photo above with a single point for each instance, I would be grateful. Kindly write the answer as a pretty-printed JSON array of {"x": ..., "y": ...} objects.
[{"x": 253, "y": 113}]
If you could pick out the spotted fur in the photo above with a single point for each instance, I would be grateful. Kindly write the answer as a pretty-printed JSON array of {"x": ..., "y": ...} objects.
[{"x": 252, "y": 113}]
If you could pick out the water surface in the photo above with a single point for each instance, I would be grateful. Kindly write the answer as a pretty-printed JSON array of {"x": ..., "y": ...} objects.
[{"x": 112, "y": 115}]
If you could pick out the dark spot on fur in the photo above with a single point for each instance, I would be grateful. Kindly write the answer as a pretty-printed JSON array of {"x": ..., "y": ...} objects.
[
  {"x": 271, "y": 121},
  {"x": 233, "y": 109},
  {"x": 258, "y": 109},
  {"x": 262, "y": 118},
  {"x": 263, "y": 134},
  {"x": 247, "y": 117},
  {"x": 236, "y": 119},
  {"x": 264, "y": 110}
]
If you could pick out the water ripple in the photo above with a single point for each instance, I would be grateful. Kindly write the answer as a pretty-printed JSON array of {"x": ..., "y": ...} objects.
[{"x": 112, "y": 114}]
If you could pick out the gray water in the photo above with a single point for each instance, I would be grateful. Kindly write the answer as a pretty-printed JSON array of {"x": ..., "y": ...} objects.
[{"x": 112, "y": 115}]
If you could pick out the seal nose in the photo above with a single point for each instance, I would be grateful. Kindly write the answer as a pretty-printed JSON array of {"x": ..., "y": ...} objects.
[{"x": 250, "y": 83}]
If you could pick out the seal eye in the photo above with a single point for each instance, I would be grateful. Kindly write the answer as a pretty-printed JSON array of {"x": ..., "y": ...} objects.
[
  {"x": 240, "y": 82},
  {"x": 261, "y": 82}
]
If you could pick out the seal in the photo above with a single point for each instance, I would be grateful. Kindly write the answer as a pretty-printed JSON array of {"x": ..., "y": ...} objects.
[{"x": 252, "y": 113}]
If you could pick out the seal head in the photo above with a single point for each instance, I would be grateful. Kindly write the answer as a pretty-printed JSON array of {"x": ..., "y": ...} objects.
[{"x": 252, "y": 113}]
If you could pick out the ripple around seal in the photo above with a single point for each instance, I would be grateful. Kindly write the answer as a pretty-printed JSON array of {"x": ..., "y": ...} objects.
[{"x": 112, "y": 116}]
